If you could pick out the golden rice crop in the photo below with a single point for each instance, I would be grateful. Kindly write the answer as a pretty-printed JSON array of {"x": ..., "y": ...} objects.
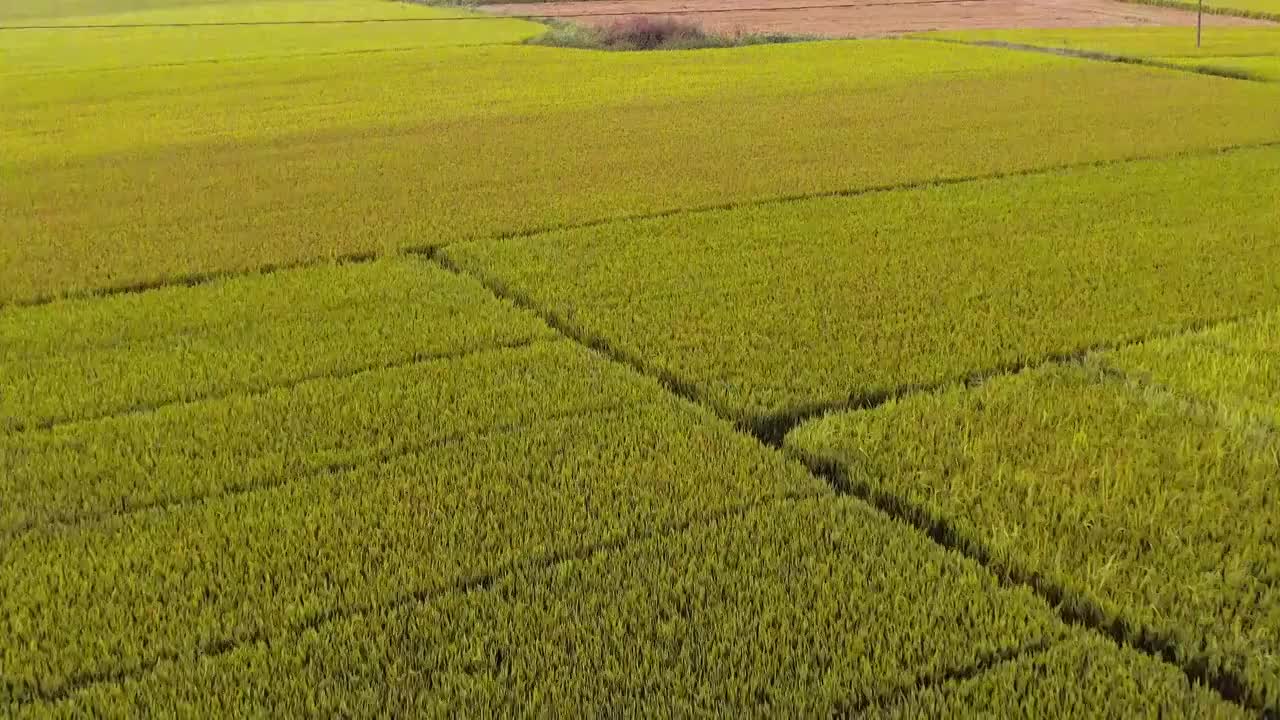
[
  {"x": 772, "y": 311},
  {"x": 281, "y": 162},
  {"x": 1139, "y": 503}
]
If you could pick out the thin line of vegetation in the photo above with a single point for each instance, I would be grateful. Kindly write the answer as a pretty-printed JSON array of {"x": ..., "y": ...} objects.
[
  {"x": 651, "y": 33},
  {"x": 1211, "y": 9}
]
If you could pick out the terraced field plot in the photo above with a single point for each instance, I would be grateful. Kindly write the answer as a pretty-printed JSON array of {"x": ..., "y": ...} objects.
[{"x": 397, "y": 368}]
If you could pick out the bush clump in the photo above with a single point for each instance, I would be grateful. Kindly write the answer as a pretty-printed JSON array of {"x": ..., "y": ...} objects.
[{"x": 650, "y": 33}]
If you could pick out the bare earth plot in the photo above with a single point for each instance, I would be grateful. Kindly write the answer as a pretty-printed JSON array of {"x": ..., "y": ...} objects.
[{"x": 869, "y": 18}]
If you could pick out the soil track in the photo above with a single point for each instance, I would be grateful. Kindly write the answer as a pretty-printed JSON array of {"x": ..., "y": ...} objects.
[{"x": 842, "y": 18}]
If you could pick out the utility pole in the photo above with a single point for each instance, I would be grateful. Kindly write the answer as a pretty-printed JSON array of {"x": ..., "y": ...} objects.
[{"x": 1199, "y": 21}]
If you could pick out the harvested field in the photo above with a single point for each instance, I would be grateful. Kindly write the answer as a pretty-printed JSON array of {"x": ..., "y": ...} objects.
[{"x": 871, "y": 18}]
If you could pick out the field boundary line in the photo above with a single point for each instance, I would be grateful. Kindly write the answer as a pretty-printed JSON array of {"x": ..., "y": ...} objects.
[
  {"x": 597, "y": 343},
  {"x": 479, "y": 581},
  {"x": 286, "y": 384},
  {"x": 187, "y": 280},
  {"x": 870, "y": 190},
  {"x": 336, "y": 467},
  {"x": 1219, "y": 412},
  {"x": 191, "y": 280},
  {"x": 1099, "y": 56},
  {"x": 1209, "y": 9},
  {"x": 1072, "y": 608},
  {"x": 481, "y": 16},
  {"x": 25, "y": 74},
  {"x": 775, "y": 427},
  {"x": 981, "y": 667}
]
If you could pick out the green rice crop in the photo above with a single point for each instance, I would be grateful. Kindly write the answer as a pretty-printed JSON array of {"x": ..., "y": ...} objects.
[
  {"x": 775, "y": 310},
  {"x": 1262, "y": 9},
  {"x": 19, "y": 13},
  {"x": 293, "y": 99},
  {"x": 323, "y": 27},
  {"x": 35, "y": 54},
  {"x": 239, "y": 443},
  {"x": 1262, "y": 67},
  {"x": 79, "y": 360},
  {"x": 1139, "y": 41},
  {"x": 113, "y": 596},
  {"x": 1235, "y": 367},
  {"x": 1130, "y": 498},
  {"x": 1078, "y": 678},
  {"x": 801, "y": 608},
  {"x": 1254, "y": 51},
  {"x": 159, "y": 173}
]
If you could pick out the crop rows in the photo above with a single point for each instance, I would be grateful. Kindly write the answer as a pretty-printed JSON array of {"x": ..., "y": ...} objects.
[
  {"x": 115, "y": 596},
  {"x": 809, "y": 607},
  {"x": 1150, "y": 496},
  {"x": 770, "y": 311},
  {"x": 1078, "y": 678},
  {"x": 373, "y": 488},
  {"x": 161, "y": 534},
  {"x": 36, "y": 54},
  {"x": 151, "y": 12},
  {"x": 1259, "y": 9},
  {"x": 80, "y": 360},
  {"x": 189, "y": 452},
  {"x": 1235, "y": 367},
  {"x": 531, "y": 526},
  {"x": 513, "y": 138}
]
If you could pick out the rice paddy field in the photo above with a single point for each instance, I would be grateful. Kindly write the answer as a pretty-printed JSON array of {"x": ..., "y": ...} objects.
[
  {"x": 1251, "y": 53},
  {"x": 1259, "y": 9},
  {"x": 359, "y": 359}
]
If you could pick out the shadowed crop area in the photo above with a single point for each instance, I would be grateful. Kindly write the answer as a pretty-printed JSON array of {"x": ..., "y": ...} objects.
[{"x": 362, "y": 358}]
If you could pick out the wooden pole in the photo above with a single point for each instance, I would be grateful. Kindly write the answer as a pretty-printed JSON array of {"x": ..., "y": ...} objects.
[{"x": 1199, "y": 21}]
